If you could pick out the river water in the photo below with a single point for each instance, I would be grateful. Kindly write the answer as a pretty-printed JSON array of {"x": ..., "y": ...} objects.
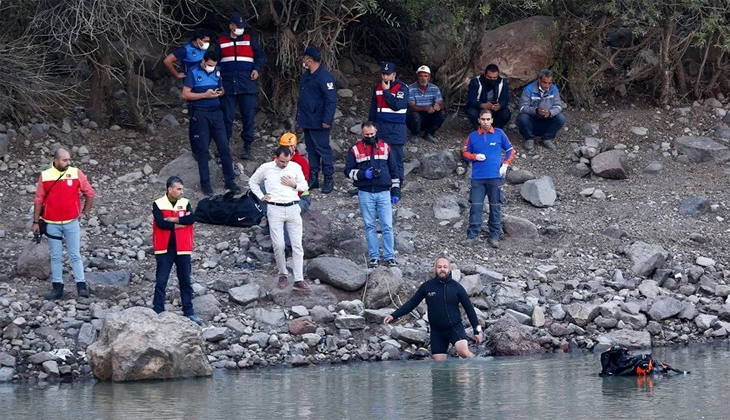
[{"x": 555, "y": 386}]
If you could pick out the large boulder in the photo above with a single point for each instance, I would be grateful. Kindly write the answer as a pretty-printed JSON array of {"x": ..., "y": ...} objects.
[
  {"x": 695, "y": 204},
  {"x": 245, "y": 294},
  {"x": 646, "y": 257},
  {"x": 138, "y": 344},
  {"x": 518, "y": 227},
  {"x": 508, "y": 338},
  {"x": 409, "y": 335},
  {"x": 317, "y": 236},
  {"x": 665, "y": 308},
  {"x": 702, "y": 149},
  {"x": 338, "y": 272},
  {"x": 428, "y": 46},
  {"x": 437, "y": 165},
  {"x": 610, "y": 164},
  {"x": 582, "y": 313},
  {"x": 539, "y": 192},
  {"x": 34, "y": 261},
  {"x": 534, "y": 38},
  {"x": 206, "y": 307},
  {"x": 186, "y": 168},
  {"x": 383, "y": 284},
  {"x": 628, "y": 338}
]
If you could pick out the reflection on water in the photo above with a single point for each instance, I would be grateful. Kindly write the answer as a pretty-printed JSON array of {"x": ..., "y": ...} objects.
[{"x": 558, "y": 386}]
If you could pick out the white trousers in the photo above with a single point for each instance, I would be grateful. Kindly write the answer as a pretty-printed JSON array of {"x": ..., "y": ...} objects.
[{"x": 289, "y": 217}]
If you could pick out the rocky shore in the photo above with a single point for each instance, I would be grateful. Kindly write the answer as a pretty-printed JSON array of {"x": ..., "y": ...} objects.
[{"x": 619, "y": 236}]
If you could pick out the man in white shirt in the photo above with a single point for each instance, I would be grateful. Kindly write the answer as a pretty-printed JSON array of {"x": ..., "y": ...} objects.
[{"x": 283, "y": 181}]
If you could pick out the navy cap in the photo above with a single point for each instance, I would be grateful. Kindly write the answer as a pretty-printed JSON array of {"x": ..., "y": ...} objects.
[
  {"x": 239, "y": 20},
  {"x": 313, "y": 52},
  {"x": 387, "y": 67}
]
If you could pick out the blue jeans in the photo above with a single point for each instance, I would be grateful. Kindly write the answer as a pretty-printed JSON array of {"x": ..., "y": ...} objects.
[
  {"x": 372, "y": 206},
  {"x": 72, "y": 232},
  {"x": 547, "y": 128},
  {"x": 318, "y": 149},
  {"x": 247, "y": 105},
  {"x": 162, "y": 274},
  {"x": 489, "y": 188}
]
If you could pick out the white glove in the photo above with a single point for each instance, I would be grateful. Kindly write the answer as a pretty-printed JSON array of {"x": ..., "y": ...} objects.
[
  {"x": 503, "y": 170},
  {"x": 481, "y": 157}
]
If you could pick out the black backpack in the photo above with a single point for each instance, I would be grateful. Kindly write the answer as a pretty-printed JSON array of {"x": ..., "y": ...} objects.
[
  {"x": 616, "y": 361},
  {"x": 227, "y": 209}
]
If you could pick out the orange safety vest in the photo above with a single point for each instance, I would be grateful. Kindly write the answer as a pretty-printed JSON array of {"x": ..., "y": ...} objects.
[
  {"x": 183, "y": 236},
  {"x": 62, "y": 204}
]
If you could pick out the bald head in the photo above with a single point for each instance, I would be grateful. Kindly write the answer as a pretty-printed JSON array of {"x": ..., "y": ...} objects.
[
  {"x": 442, "y": 267},
  {"x": 61, "y": 159}
]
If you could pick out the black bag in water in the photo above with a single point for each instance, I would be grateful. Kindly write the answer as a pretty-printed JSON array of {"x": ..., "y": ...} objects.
[
  {"x": 227, "y": 209},
  {"x": 616, "y": 361}
]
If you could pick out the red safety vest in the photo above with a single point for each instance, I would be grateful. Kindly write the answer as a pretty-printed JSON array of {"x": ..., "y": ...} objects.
[
  {"x": 380, "y": 100},
  {"x": 183, "y": 236},
  {"x": 362, "y": 151},
  {"x": 238, "y": 49},
  {"x": 62, "y": 204}
]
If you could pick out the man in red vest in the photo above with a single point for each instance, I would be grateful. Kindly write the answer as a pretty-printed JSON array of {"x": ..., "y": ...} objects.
[
  {"x": 172, "y": 241},
  {"x": 57, "y": 202},
  {"x": 241, "y": 64}
]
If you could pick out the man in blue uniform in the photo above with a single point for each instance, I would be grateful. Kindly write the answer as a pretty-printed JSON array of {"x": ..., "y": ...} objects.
[
  {"x": 388, "y": 109},
  {"x": 315, "y": 114},
  {"x": 202, "y": 89},
  {"x": 189, "y": 55},
  {"x": 240, "y": 65}
]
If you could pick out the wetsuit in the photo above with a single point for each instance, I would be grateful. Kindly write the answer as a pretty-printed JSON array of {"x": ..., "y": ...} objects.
[{"x": 442, "y": 301}]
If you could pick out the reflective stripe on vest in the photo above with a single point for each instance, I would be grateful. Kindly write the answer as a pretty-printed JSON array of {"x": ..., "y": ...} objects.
[
  {"x": 62, "y": 204},
  {"x": 183, "y": 236},
  {"x": 362, "y": 152},
  {"x": 236, "y": 50},
  {"x": 382, "y": 105}
]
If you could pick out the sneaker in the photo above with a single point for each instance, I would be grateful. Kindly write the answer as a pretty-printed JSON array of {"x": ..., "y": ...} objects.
[
  {"x": 301, "y": 285},
  {"x": 493, "y": 242},
  {"x": 392, "y": 262},
  {"x": 234, "y": 188},
  {"x": 283, "y": 282},
  {"x": 528, "y": 145},
  {"x": 207, "y": 190},
  {"x": 431, "y": 138},
  {"x": 195, "y": 319},
  {"x": 373, "y": 263},
  {"x": 548, "y": 144}
]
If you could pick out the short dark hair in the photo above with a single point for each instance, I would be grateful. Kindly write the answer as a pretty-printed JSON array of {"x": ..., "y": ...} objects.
[
  {"x": 282, "y": 150},
  {"x": 173, "y": 180},
  {"x": 201, "y": 33},
  {"x": 491, "y": 68},
  {"x": 368, "y": 124},
  {"x": 482, "y": 112},
  {"x": 211, "y": 54},
  {"x": 545, "y": 73}
]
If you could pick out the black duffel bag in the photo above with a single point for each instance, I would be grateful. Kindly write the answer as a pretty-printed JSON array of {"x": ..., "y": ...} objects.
[{"x": 227, "y": 209}]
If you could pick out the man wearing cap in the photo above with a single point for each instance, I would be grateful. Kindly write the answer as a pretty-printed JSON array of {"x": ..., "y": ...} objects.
[
  {"x": 425, "y": 106},
  {"x": 388, "y": 109},
  {"x": 241, "y": 62},
  {"x": 488, "y": 91},
  {"x": 315, "y": 115},
  {"x": 290, "y": 140}
]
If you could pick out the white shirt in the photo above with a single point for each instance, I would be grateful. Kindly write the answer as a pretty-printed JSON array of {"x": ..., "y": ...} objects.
[{"x": 269, "y": 174}]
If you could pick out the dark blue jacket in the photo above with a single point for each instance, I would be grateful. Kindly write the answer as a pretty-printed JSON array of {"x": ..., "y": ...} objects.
[
  {"x": 237, "y": 74},
  {"x": 361, "y": 156},
  {"x": 478, "y": 91},
  {"x": 317, "y": 99}
]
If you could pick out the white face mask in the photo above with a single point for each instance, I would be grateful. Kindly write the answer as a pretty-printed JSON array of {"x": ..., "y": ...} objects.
[
  {"x": 205, "y": 45},
  {"x": 209, "y": 69},
  {"x": 238, "y": 31}
]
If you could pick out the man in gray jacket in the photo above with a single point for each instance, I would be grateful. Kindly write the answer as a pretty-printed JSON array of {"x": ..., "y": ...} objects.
[{"x": 540, "y": 112}]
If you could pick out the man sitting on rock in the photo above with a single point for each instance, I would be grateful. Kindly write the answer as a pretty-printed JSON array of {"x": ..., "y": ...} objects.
[
  {"x": 425, "y": 107},
  {"x": 443, "y": 296},
  {"x": 488, "y": 91},
  {"x": 540, "y": 112}
]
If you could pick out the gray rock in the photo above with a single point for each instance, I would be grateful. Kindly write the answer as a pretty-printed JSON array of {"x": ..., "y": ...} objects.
[
  {"x": 702, "y": 149},
  {"x": 243, "y": 295},
  {"x": 557, "y": 312},
  {"x": 639, "y": 131},
  {"x": 695, "y": 204},
  {"x": 519, "y": 176},
  {"x": 41, "y": 357},
  {"x": 605, "y": 322},
  {"x": 579, "y": 170},
  {"x": 614, "y": 231},
  {"x": 206, "y": 307},
  {"x": 311, "y": 339},
  {"x": 34, "y": 261},
  {"x": 722, "y": 131},
  {"x": 338, "y": 272},
  {"x": 590, "y": 128},
  {"x": 383, "y": 285},
  {"x": 472, "y": 284},
  {"x": 582, "y": 313},
  {"x": 637, "y": 321},
  {"x": 689, "y": 311},
  {"x": 705, "y": 321},
  {"x": 712, "y": 102},
  {"x": 344, "y": 93},
  {"x": 508, "y": 338},
  {"x": 321, "y": 315},
  {"x": 518, "y": 227},
  {"x": 317, "y": 234},
  {"x": 447, "y": 207},
  {"x": 519, "y": 316},
  {"x": 186, "y": 168},
  {"x": 649, "y": 288},
  {"x": 319, "y": 295},
  {"x": 352, "y": 307},
  {"x": 404, "y": 242},
  {"x": 409, "y": 335},
  {"x": 654, "y": 168},
  {"x": 376, "y": 316},
  {"x": 214, "y": 334},
  {"x": 138, "y": 344},
  {"x": 118, "y": 278},
  {"x": 299, "y": 311},
  {"x": 260, "y": 338},
  {"x": 610, "y": 164},
  {"x": 269, "y": 316},
  {"x": 628, "y": 338},
  {"x": 235, "y": 325},
  {"x": 350, "y": 322},
  {"x": 87, "y": 335},
  {"x": 593, "y": 143},
  {"x": 6, "y": 374},
  {"x": 646, "y": 258},
  {"x": 3, "y": 144},
  {"x": 437, "y": 165},
  {"x": 665, "y": 308},
  {"x": 539, "y": 192},
  {"x": 538, "y": 317},
  {"x": 51, "y": 368},
  {"x": 7, "y": 360}
]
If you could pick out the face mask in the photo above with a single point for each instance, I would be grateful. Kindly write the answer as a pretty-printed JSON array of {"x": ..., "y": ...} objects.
[
  {"x": 305, "y": 65},
  {"x": 490, "y": 83},
  {"x": 368, "y": 140},
  {"x": 209, "y": 69},
  {"x": 238, "y": 31},
  {"x": 205, "y": 45}
]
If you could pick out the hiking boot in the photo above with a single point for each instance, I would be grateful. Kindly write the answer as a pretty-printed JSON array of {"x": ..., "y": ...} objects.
[
  {"x": 195, "y": 319},
  {"x": 548, "y": 144},
  {"x": 528, "y": 145},
  {"x": 373, "y": 263},
  {"x": 431, "y": 138},
  {"x": 283, "y": 282},
  {"x": 55, "y": 293},
  {"x": 207, "y": 190},
  {"x": 301, "y": 285},
  {"x": 313, "y": 180},
  {"x": 81, "y": 290},
  {"x": 246, "y": 152},
  {"x": 329, "y": 184},
  {"x": 469, "y": 242},
  {"x": 234, "y": 188},
  {"x": 392, "y": 262},
  {"x": 493, "y": 242}
]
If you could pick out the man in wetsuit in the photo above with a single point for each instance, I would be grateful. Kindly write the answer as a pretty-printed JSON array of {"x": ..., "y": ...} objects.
[{"x": 443, "y": 296}]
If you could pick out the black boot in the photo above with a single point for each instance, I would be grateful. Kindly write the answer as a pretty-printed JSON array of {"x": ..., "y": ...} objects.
[
  {"x": 313, "y": 180},
  {"x": 81, "y": 289},
  {"x": 55, "y": 293},
  {"x": 246, "y": 152},
  {"x": 329, "y": 184}
]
